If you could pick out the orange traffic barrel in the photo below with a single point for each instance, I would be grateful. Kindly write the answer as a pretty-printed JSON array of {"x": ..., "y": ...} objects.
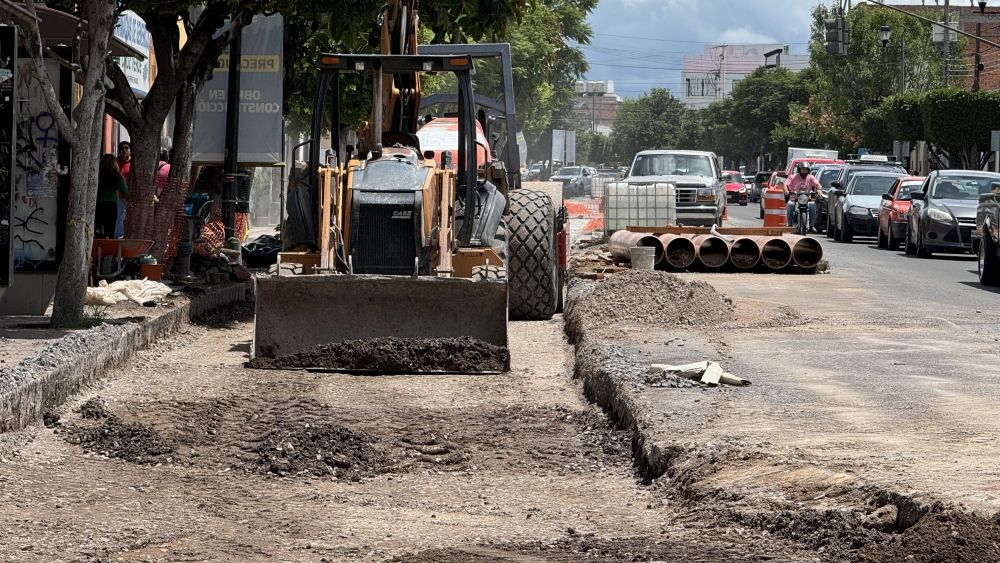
[{"x": 774, "y": 208}]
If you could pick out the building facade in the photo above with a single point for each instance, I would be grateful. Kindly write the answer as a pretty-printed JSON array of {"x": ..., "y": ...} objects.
[{"x": 710, "y": 76}]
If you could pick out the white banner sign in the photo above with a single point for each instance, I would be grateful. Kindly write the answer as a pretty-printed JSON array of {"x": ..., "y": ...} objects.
[{"x": 131, "y": 29}]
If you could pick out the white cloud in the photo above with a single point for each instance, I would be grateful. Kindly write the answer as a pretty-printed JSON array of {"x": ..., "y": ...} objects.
[{"x": 744, "y": 35}]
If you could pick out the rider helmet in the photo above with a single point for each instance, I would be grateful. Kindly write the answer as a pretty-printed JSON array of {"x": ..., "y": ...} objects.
[{"x": 804, "y": 165}]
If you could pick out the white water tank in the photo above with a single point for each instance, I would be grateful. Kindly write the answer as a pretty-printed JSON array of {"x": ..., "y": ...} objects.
[{"x": 640, "y": 205}]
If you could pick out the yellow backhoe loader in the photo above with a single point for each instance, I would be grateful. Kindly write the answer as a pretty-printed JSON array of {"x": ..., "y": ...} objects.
[{"x": 397, "y": 242}]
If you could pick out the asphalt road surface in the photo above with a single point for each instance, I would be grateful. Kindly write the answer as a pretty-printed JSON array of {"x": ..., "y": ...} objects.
[{"x": 893, "y": 377}]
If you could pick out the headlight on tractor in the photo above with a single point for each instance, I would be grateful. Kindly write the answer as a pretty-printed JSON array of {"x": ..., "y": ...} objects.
[{"x": 938, "y": 215}]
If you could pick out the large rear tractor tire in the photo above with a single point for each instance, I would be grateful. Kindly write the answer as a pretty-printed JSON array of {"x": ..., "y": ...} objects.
[{"x": 533, "y": 265}]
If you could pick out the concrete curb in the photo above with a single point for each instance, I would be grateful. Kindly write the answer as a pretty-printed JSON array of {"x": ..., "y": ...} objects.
[{"x": 24, "y": 404}]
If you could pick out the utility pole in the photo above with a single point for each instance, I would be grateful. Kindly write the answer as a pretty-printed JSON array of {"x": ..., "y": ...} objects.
[
  {"x": 593, "y": 112},
  {"x": 229, "y": 191},
  {"x": 947, "y": 42},
  {"x": 723, "y": 71}
]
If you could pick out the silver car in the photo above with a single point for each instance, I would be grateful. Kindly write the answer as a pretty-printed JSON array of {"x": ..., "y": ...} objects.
[
  {"x": 943, "y": 213},
  {"x": 855, "y": 209}
]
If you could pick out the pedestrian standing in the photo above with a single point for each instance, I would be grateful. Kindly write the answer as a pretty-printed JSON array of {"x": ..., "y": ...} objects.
[
  {"x": 111, "y": 188},
  {"x": 125, "y": 167}
]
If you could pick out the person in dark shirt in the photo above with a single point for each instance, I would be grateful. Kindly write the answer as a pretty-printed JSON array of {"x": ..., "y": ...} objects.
[{"x": 110, "y": 187}]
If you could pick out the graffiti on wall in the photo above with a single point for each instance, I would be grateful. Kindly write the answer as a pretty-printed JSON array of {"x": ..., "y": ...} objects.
[{"x": 36, "y": 177}]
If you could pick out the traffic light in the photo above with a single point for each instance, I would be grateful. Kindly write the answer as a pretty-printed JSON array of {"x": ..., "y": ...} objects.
[{"x": 838, "y": 35}]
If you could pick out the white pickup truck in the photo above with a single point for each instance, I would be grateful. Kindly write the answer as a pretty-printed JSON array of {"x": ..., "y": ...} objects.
[{"x": 700, "y": 194}]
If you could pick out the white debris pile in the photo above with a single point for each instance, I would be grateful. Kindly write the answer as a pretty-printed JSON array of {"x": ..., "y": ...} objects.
[
  {"x": 707, "y": 373},
  {"x": 144, "y": 292}
]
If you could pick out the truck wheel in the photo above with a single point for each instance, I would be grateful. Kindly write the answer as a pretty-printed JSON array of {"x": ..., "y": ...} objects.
[
  {"x": 989, "y": 264},
  {"x": 533, "y": 265}
]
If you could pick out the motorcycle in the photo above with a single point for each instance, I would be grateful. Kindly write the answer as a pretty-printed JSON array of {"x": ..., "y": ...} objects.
[{"x": 802, "y": 200}]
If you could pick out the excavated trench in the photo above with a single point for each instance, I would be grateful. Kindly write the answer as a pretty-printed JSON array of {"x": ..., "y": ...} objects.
[{"x": 865, "y": 523}]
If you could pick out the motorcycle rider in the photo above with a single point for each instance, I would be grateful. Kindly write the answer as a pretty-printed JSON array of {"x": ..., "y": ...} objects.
[{"x": 801, "y": 182}]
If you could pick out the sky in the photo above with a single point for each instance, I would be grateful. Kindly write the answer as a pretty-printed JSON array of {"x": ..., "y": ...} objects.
[{"x": 657, "y": 33}]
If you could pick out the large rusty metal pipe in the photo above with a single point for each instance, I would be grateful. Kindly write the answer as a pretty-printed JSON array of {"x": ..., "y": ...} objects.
[
  {"x": 678, "y": 252},
  {"x": 711, "y": 251},
  {"x": 621, "y": 241},
  {"x": 775, "y": 252},
  {"x": 744, "y": 253},
  {"x": 806, "y": 251}
]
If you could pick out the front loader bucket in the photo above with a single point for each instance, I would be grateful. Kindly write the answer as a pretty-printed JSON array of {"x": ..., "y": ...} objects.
[{"x": 383, "y": 324}]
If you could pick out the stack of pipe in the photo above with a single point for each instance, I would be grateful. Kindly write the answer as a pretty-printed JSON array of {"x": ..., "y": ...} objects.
[{"x": 680, "y": 252}]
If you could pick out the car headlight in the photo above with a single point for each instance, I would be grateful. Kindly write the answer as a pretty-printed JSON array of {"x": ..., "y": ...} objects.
[
  {"x": 706, "y": 194},
  {"x": 856, "y": 210},
  {"x": 743, "y": 190},
  {"x": 938, "y": 215}
]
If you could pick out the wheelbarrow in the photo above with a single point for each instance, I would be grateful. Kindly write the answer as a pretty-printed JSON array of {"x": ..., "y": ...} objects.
[{"x": 110, "y": 257}]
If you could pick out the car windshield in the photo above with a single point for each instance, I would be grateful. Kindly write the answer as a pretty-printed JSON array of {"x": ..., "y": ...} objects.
[
  {"x": 962, "y": 187},
  {"x": 569, "y": 171},
  {"x": 761, "y": 177},
  {"x": 871, "y": 185},
  {"x": 671, "y": 164},
  {"x": 908, "y": 188},
  {"x": 731, "y": 178}
]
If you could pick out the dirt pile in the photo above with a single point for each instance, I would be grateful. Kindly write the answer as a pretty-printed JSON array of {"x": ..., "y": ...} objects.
[
  {"x": 320, "y": 449},
  {"x": 939, "y": 537},
  {"x": 132, "y": 442},
  {"x": 396, "y": 355},
  {"x": 649, "y": 297},
  {"x": 93, "y": 409}
]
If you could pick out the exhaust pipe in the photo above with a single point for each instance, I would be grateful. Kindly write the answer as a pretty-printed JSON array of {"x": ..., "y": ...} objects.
[
  {"x": 744, "y": 253},
  {"x": 621, "y": 241},
  {"x": 806, "y": 251},
  {"x": 775, "y": 252},
  {"x": 678, "y": 252},
  {"x": 711, "y": 251}
]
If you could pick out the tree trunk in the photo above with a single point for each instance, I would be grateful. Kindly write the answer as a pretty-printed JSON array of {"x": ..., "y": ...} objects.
[
  {"x": 167, "y": 220},
  {"x": 142, "y": 182},
  {"x": 74, "y": 270}
]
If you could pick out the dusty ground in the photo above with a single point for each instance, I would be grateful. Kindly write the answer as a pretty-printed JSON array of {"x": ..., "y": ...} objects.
[{"x": 187, "y": 455}]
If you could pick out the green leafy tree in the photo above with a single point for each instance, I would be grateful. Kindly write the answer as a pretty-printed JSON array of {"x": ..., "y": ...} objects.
[
  {"x": 960, "y": 122},
  {"x": 844, "y": 87},
  {"x": 741, "y": 126},
  {"x": 652, "y": 121}
]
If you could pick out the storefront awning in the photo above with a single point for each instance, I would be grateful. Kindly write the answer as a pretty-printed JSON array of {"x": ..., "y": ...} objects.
[{"x": 59, "y": 28}]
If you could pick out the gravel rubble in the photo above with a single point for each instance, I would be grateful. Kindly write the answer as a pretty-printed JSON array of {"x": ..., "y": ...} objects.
[
  {"x": 64, "y": 351},
  {"x": 651, "y": 297}
]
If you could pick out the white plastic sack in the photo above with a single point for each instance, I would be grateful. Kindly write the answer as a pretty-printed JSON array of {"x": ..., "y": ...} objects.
[{"x": 143, "y": 292}]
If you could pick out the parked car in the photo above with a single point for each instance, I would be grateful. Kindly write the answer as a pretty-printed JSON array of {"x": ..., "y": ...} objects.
[
  {"x": 986, "y": 239},
  {"x": 576, "y": 180},
  {"x": 760, "y": 181},
  {"x": 856, "y": 207},
  {"x": 943, "y": 213},
  {"x": 535, "y": 172},
  {"x": 776, "y": 180},
  {"x": 736, "y": 190},
  {"x": 825, "y": 203},
  {"x": 895, "y": 209},
  {"x": 700, "y": 196}
]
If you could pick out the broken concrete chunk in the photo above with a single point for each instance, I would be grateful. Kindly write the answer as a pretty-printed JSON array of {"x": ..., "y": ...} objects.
[
  {"x": 706, "y": 372},
  {"x": 712, "y": 374}
]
